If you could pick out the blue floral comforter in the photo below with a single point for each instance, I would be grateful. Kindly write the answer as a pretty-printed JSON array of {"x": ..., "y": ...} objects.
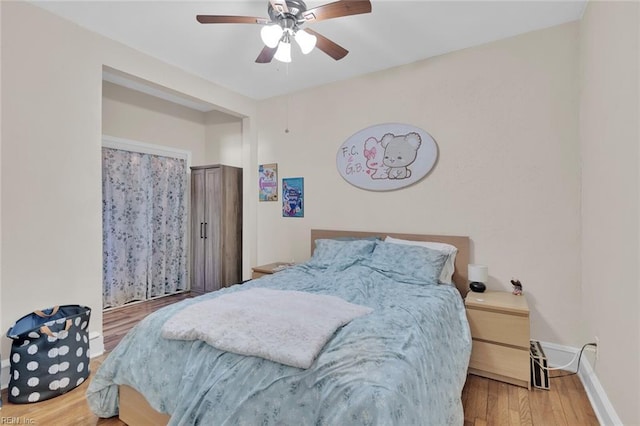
[{"x": 403, "y": 364}]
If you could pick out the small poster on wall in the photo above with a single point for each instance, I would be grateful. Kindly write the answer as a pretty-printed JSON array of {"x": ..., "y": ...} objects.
[
  {"x": 293, "y": 197},
  {"x": 268, "y": 182}
]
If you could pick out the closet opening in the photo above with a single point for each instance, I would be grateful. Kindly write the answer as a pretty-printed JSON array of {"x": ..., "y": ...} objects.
[{"x": 145, "y": 198}]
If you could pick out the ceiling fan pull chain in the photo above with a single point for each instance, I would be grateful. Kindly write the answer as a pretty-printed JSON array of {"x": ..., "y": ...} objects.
[
  {"x": 286, "y": 105},
  {"x": 286, "y": 130}
]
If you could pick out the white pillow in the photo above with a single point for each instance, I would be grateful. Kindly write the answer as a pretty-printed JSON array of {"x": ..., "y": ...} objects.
[{"x": 449, "y": 266}]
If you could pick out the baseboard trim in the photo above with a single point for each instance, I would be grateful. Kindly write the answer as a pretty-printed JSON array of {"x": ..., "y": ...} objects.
[
  {"x": 4, "y": 374},
  {"x": 96, "y": 348},
  {"x": 559, "y": 355},
  {"x": 96, "y": 344}
]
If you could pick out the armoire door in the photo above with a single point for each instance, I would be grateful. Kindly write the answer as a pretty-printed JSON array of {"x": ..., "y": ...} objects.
[
  {"x": 231, "y": 226},
  {"x": 213, "y": 246},
  {"x": 198, "y": 197}
]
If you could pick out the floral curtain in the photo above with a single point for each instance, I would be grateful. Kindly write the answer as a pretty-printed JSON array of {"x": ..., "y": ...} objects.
[{"x": 144, "y": 225}]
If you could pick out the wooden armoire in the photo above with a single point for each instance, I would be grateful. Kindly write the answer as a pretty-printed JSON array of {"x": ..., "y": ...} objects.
[{"x": 216, "y": 227}]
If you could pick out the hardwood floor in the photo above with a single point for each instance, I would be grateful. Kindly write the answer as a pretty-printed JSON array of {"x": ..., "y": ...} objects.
[
  {"x": 118, "y": 321},
  {"x": 485, "y": 401},
  {"x": 489, "y": 402}
]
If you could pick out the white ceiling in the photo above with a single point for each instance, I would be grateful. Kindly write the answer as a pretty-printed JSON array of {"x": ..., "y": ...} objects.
[{"x": 394, "y": 33}]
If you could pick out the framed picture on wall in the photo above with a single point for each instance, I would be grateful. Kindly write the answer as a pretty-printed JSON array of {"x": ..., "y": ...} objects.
[
  {"x": 293, "y": 197},
  {"x": 268, "y": 182}
]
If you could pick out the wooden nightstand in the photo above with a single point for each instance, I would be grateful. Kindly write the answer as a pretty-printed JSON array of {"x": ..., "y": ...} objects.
[
  {"x": 499, "y": 324},
  {"x": 268, "y": 269}
]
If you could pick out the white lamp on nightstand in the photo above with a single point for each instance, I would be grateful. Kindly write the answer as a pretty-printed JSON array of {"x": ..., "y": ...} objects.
[{"x": 478, "y": 275}]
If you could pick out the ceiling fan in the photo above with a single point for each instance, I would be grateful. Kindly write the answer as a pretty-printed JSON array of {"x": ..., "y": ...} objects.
[{"x": 286, "y": 18}]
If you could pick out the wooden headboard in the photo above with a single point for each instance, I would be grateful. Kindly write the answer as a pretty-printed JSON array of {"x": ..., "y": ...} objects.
[{"x": 462, "y": 243}]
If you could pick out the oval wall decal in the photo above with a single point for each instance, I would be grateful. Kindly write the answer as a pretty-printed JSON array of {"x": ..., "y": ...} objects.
[{"x": 387, "y": 156}]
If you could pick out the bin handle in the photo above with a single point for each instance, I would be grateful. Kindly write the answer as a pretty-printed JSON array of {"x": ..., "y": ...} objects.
[
  {"x": 43, "y": 315},
  {"x": 46, "y": 330}
]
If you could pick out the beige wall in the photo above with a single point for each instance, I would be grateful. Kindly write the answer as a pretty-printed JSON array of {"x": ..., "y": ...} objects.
[
  {"x": 223, "y": 140},
  {"x": 212, "y": 137},
  {"x": 609, "y": 138},
  {"x": 51, "y": 138},
  {"x": 135, "y": 116},
  {"x": 505, "y": 118},
  {"x": 1, "y": 133}
]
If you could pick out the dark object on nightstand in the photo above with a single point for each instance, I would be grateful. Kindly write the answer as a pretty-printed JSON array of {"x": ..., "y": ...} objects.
[
  {"x": 517, "y": 287},
  {"x": 477, "y": 287}
]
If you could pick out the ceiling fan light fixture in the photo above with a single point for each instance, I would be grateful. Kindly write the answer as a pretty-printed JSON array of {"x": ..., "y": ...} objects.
[
  {"x": 271, "y": 35},
  {"x": 306, "y": 41},
  {"x": 283, "y": 24},
  {"x": 283, "y": 54}
]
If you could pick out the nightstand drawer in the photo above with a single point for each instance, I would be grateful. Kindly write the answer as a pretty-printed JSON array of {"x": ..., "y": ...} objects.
[
  {"x": 500, "y": 360},
  {"x": 499, "y": 327}
]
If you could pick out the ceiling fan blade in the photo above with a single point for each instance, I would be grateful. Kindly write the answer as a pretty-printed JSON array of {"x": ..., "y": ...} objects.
[
  {"x": 279, "y": 6},
  {"x": 266, "y": 55},
  {"x": 336, "y": 10},
  {"x": 225, "y": 19},
  {"x": 332, "y": 49}
]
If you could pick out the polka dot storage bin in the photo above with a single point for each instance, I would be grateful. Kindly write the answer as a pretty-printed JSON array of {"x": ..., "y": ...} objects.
[{"x": 49, "y": 353}]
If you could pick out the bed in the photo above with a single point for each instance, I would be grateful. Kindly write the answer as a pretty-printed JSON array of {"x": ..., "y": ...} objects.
[{"x": 405, "y": 362}]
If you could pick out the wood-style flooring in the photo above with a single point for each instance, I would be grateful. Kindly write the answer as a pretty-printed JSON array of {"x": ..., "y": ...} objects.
[
  {"x": 117, "y": 322},
  {"x": 485, "y": 401},
  {"x": 489, "y": 402}
]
